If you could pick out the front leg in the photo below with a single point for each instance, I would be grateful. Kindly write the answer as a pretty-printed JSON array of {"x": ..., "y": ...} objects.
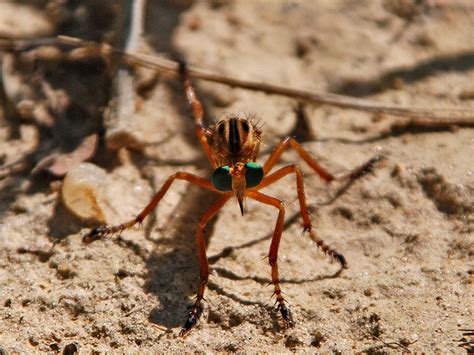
[
  {"x": 313, "y": 163},
  {"x": 106, "y": 230},
  {"x": 273, "y": 253},
  {"x": 196, "y": 310}
]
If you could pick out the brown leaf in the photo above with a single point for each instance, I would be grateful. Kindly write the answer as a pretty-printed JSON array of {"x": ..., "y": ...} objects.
[{"x": 60, "y": 164}]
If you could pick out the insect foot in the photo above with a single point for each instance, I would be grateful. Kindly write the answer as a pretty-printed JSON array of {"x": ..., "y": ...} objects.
[
  {"x": 193, "y": 317},
  {"x": 340, "y": 259},
  {"x": 98, "y": 233},
  {"x": 327, "y": 249},
  {"x": 286, "y": 315}
]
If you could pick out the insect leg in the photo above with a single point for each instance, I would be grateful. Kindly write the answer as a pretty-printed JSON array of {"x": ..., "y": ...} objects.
[
  {"x": 322, "y": 172},
  {"x": 102, "y": 231},
  {"x": 290, "y": 141},
  {"x": 202, "y": 131},
  {"x": 196, "y": 310},
  {"x": 280, "y": 173},
  {"x": 273, "y": 253}
]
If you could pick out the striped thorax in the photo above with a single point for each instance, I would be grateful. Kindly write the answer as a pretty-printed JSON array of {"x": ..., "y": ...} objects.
[{"x": 234, "y": 140}]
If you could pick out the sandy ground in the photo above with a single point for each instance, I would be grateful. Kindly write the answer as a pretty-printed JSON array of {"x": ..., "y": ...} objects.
[{"x": 406, "y": 230}]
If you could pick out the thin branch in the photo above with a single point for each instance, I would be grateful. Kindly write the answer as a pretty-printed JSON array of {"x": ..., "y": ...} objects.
[
  {"x": 341, "y": 101},
  {"x": 390, "y": 344},
  {"x": 466, "y": 116}
]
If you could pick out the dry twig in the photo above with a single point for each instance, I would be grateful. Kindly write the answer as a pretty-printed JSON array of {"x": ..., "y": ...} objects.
[{"x": 443, "y": 116}]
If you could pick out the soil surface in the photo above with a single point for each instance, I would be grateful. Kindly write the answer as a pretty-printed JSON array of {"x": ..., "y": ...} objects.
[{"x": 406, "y": 229}]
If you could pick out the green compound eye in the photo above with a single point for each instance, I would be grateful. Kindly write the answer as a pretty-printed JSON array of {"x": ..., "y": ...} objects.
[
  {"x": 222, "y": 179},
  {"x": 253, "y": 174}
]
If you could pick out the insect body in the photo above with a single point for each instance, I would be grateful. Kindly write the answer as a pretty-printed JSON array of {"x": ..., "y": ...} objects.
[{"x": 231, "y": 146}]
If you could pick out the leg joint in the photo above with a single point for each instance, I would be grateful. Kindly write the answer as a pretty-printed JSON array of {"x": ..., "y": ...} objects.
[
  {"x": 204, "y": 278},
  {"x": 272, "y": 261},
  {"x": 281, "y": 206}
]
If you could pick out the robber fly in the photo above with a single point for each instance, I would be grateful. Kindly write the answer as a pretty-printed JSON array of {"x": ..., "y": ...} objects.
[{"x": 231, "y": 146}]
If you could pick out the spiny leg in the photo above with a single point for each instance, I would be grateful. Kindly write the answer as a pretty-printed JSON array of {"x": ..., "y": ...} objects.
[
  {"x": 322, "y": 172},
  {"x": 196, "y": 310},
  {"x": 201, "y": 129},
  {"x": 273, "y": 253},
  {"x": 103, "y": 231},
  {"x": 280, "y": 173}
]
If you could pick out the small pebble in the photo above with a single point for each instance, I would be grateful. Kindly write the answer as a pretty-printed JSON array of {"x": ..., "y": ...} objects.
[
  {"x": 83, "y": 192},
  {"x": 33, "y": 340},
  {"x": 54, "y": 347},
  {"x": 64, "y": 270},
  {"x": 70, "y": 349}
]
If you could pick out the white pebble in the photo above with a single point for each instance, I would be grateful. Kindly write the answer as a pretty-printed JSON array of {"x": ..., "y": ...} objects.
[{"x": 83, "y": 192}]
